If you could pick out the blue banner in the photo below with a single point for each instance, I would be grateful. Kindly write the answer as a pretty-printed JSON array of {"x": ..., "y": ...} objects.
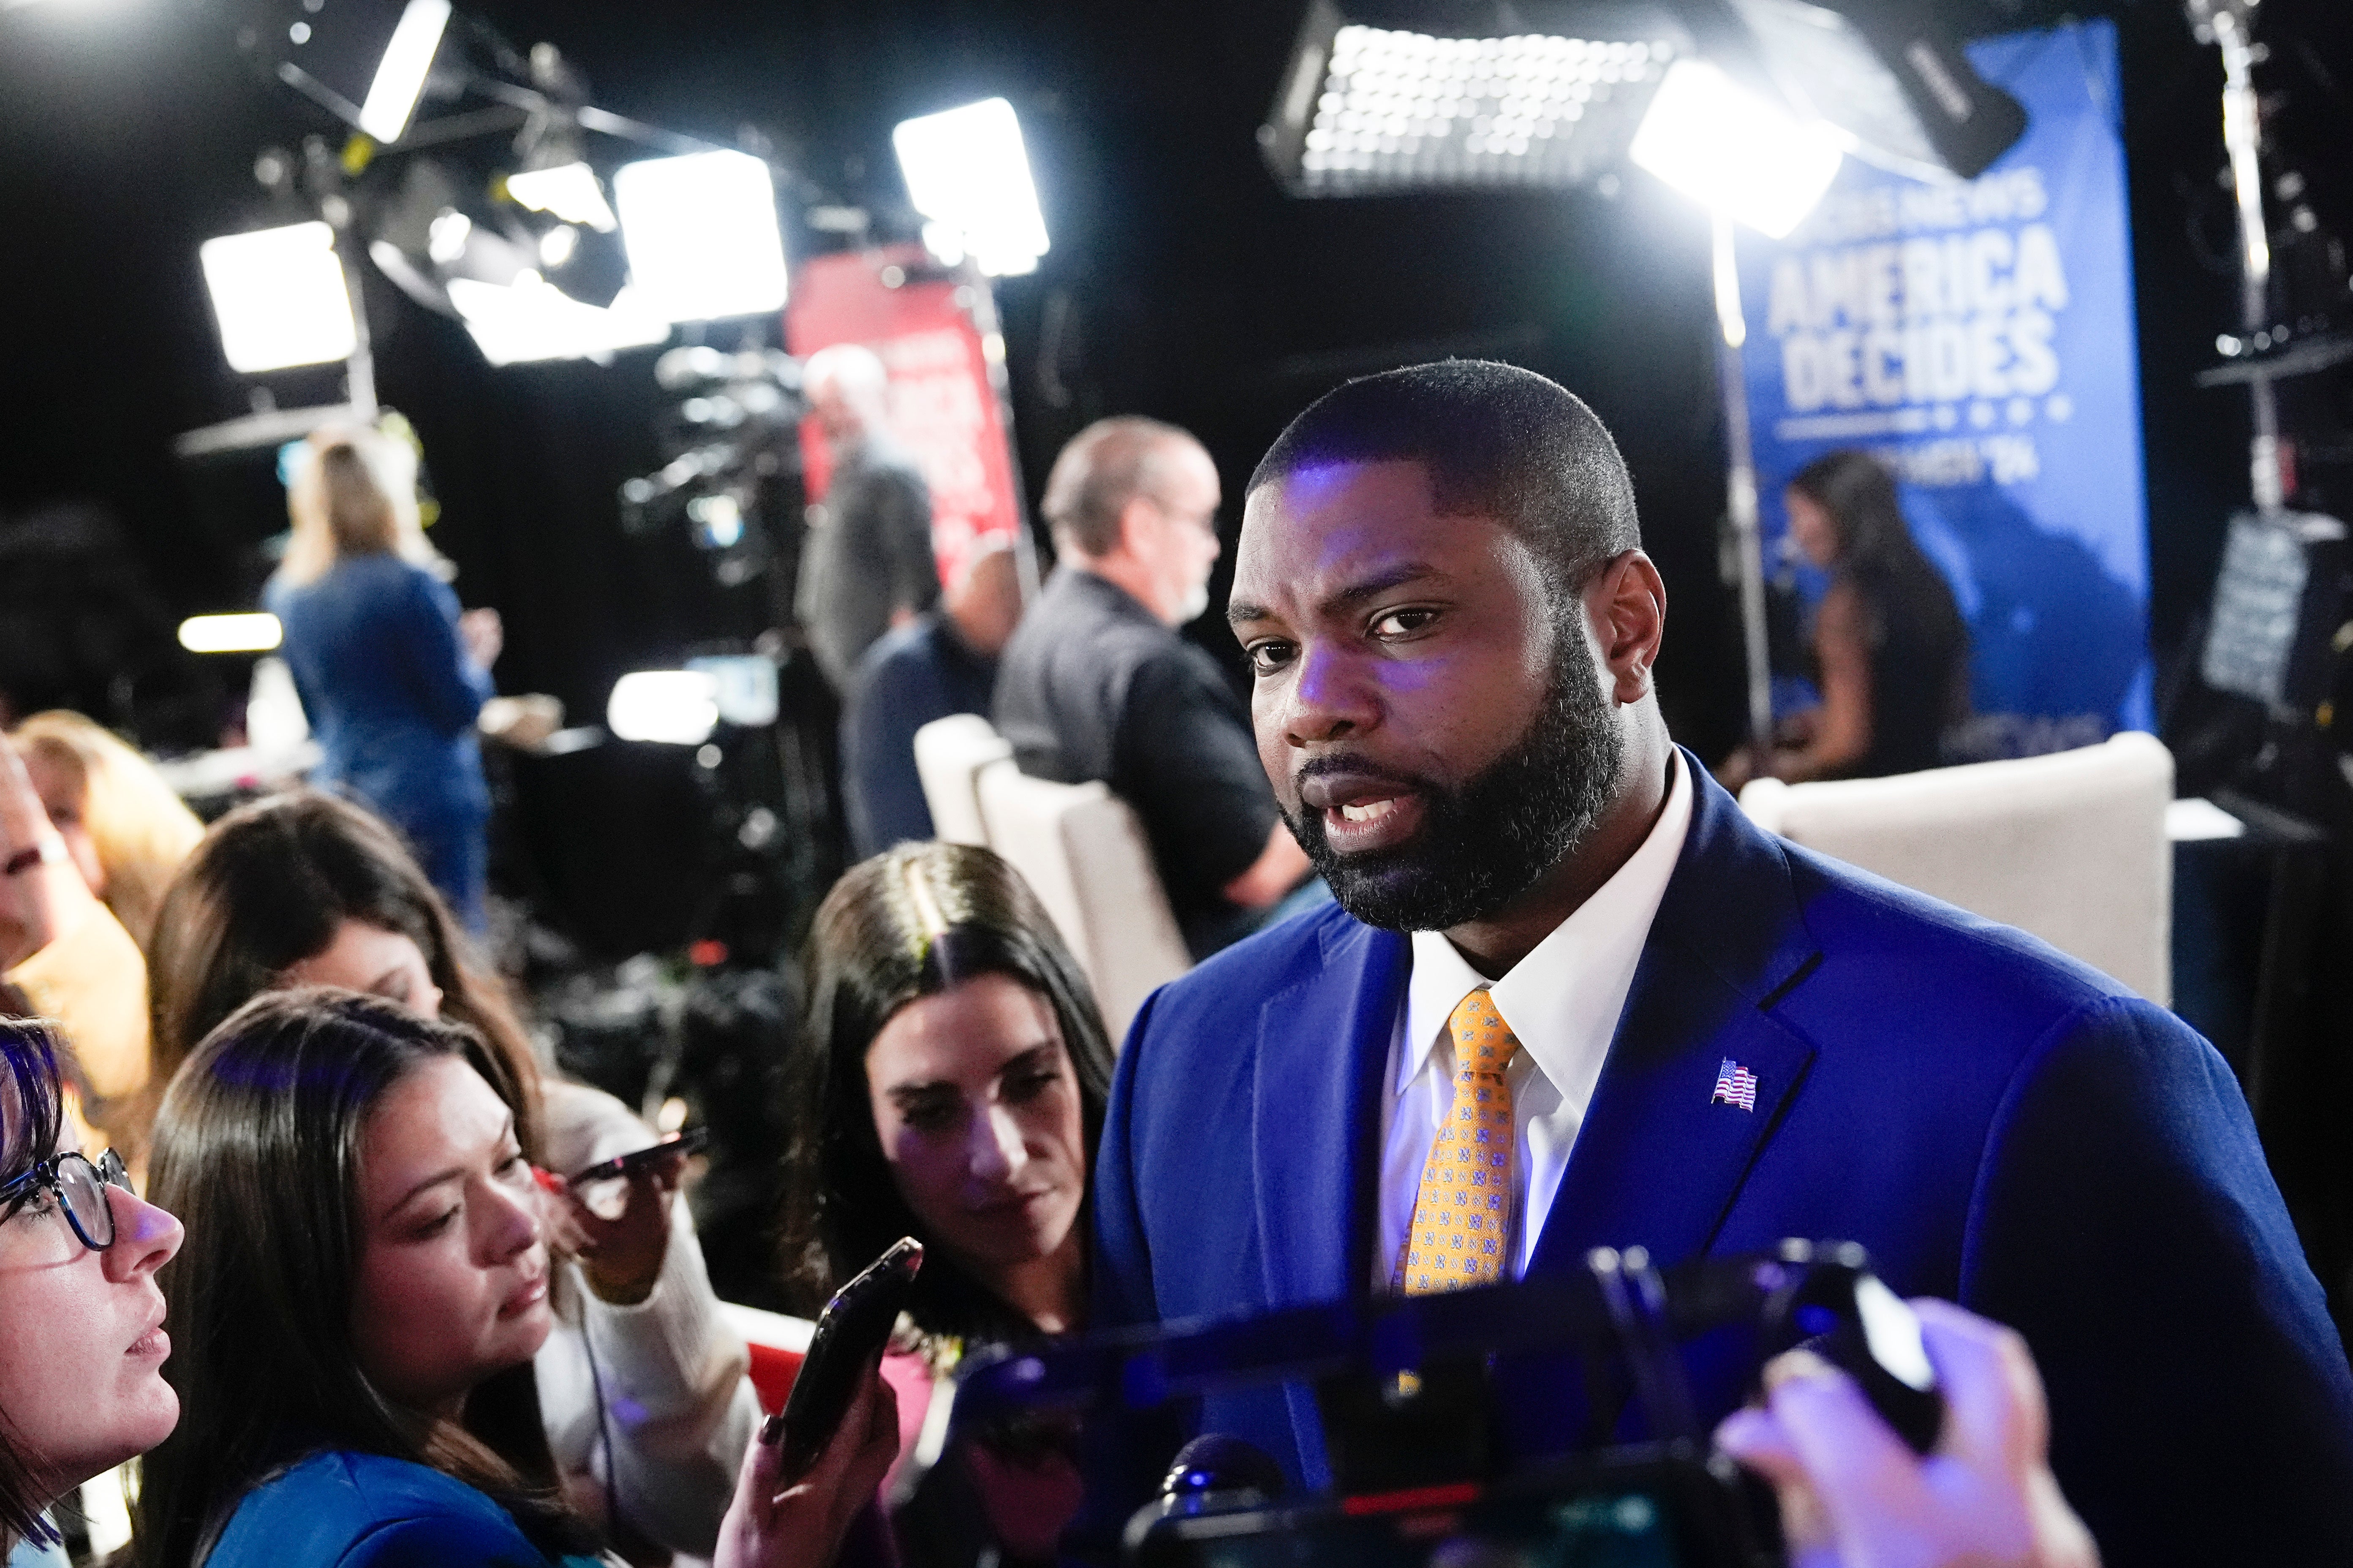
[{"x": 1978, "y": 337}]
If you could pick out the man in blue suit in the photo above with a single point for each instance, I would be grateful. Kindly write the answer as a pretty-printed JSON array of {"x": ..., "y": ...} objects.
[{"x": 1681, "y": 1033}]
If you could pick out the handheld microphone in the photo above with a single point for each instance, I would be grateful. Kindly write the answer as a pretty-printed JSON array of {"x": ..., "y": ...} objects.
[{"x": 1214, "y": 1466}]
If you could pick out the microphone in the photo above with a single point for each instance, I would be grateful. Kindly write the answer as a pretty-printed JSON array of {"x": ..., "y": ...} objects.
[{"x": 1223, "y": 1472}]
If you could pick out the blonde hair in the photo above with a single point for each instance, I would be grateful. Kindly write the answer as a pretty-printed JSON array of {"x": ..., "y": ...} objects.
[
  {"x": 354, "y": 492},
  {"x": 140, "y": 828}
]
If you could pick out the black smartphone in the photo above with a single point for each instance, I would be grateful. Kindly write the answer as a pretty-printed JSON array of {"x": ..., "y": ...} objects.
[
  {"x": 625, "y": 1165},
  {"x": 850, "y": 1332}
]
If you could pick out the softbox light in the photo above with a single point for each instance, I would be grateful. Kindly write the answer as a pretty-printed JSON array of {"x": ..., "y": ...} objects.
[
  {"x": 280, "y": 298},
  {"x": 568, "y": 190},
  {"x": 967, "y": 170},
  {"x": 1734, "y": 150},
  {"x": 701, "y": 236},
  {"x": 1882, "y": 72},
  {"x": 365, "y": 61},
  {"x": 667, "y": 707}
]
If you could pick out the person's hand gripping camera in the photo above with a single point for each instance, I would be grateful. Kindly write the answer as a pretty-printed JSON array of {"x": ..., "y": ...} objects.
[{"x": 1853, "y": 1495}]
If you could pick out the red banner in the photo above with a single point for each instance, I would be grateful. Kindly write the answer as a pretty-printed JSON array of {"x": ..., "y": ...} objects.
[{"x": 943, "y": 408}]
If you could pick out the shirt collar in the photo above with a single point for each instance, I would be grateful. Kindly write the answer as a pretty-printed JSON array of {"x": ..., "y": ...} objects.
[
  {"x": 1562, "y": 1000},
  {"x": 1107, "y": 593}
]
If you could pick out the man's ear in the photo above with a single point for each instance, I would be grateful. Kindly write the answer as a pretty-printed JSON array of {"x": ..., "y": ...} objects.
[
  {"x": 1136, "y": 514},
  {"x": 1626, "y": 606}
]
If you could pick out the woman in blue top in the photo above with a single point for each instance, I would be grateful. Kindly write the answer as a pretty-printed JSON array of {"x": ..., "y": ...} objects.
[
  {"x": 358, "y": 1309},
  {"x": 390, "y": 673}
]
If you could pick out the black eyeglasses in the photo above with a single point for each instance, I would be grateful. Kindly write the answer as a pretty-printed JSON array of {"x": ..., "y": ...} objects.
[{"x": 80, "y": 1184}]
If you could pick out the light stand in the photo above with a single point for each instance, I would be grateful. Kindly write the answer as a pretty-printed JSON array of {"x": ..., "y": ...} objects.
[
  {"x": 2225, "y": 22},
  {"x": 1740, "y": 493},
  {"x": 983, "y": 310}
]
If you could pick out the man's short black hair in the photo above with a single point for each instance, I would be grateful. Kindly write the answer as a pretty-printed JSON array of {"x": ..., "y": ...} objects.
[{"x": 1495, "y": 439}]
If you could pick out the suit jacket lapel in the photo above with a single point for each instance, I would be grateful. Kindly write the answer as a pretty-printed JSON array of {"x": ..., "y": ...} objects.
[
  {"x": 1315, "y": 1120},
  {"x": 1659, "y": 1159}
]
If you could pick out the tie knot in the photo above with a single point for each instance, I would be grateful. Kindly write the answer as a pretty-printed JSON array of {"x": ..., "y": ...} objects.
[{"x": 1482, "y": 1041}]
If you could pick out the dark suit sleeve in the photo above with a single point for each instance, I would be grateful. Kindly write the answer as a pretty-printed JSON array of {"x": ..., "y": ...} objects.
[
  {"x": 2125, "y": 1223},
  {"x": 903, "y": 524},
  {"x": 883, "y": 792},
  {"x": 1188, "y": 763},
  {"x": 449, "y": 685}
]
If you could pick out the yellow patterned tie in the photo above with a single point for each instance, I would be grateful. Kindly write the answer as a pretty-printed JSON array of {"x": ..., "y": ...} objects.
[{"x": 1462, "y": 1213}]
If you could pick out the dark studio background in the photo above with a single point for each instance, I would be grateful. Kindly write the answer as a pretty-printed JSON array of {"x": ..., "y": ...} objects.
[{"x": 1182, "y": 283}]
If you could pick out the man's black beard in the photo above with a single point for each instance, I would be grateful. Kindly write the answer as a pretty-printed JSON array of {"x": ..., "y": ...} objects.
[{"x": 1486, "y": 841}]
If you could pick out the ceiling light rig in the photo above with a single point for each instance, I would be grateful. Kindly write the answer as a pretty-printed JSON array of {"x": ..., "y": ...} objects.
[{"x": 482, "y": 182}]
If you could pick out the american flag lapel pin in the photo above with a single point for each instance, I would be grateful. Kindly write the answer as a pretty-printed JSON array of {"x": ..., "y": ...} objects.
[{"x": 1735, "y": 1085}]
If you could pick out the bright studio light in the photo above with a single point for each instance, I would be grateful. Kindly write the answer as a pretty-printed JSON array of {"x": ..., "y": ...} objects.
[
  {"x": 674, "y": 707},
  {"x": 569, "y": 192},
  {"x": 279, "y": 299},
  {"x": 701, "y": 236},
  {"x": 1392, "y": 111},
  {"x": 1735, "y": 152},
  {"x": 534, "y": 319},
  {"x": 256, "y": 632},
  {"x": 965, "y": 168},
  {"x": 400, "y": 75}
]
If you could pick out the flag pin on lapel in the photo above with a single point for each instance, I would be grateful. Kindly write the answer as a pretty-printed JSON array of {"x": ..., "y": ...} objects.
[{"x": 1735, "y": 1085}]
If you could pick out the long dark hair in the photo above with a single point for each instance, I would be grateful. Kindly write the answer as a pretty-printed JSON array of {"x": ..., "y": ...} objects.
[
  {"x": 268, "y": 888},
  {"x": 911, "y": 921},
  {"x": 29, "y": 1125},
  {"x": 257, "y": 1148},
  {"x": 1902, "y": 590}
]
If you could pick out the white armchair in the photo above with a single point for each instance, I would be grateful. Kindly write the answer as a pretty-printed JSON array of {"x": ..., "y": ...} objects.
[
  {"x": 1083, "y": 852},
  {"x": 951, "y": 755},
  {"x": 2071, "y": 847}
]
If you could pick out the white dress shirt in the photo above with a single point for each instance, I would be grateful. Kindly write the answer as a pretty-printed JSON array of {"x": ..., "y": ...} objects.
[{"x": 1561, "y": 1001}]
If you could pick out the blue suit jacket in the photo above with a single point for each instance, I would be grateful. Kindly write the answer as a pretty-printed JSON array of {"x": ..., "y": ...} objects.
[{"x": 2000, "y": 1126}]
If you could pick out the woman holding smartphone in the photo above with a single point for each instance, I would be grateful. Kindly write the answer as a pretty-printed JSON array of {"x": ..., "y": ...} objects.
[
  {"x": 358, "y": 1312},
  {"x": 950, "y": 1087},
  {"x": 641, "y": 1384}
]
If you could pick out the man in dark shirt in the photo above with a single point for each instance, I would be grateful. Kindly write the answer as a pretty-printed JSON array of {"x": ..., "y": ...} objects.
[
  {"x": 1097, "y": 684},
  {"x": 867, "y": 565},
  {"x": 943, "y": 662}
]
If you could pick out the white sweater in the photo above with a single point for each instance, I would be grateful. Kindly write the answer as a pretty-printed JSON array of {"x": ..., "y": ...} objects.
[{"x": 666, "y": 1439}]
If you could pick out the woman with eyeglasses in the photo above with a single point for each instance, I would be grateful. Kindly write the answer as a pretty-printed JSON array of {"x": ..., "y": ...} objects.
[
  {"x": 81, "y": 1338},
  {"x": 950, "y": 1087},
  {"x": 357, "y": 1311}
]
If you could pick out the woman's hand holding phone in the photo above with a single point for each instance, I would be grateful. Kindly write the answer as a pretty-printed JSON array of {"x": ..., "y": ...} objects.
[
  {"x": 773, "y": 1523},
  {"x": 618, "y": 1224}
]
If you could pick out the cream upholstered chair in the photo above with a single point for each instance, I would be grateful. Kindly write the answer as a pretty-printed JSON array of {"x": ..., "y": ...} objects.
[
  {"x": 951, "y": 755},
  {"x": 2071, "y": 847},
  {"x": 1083, "y": 852}
]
